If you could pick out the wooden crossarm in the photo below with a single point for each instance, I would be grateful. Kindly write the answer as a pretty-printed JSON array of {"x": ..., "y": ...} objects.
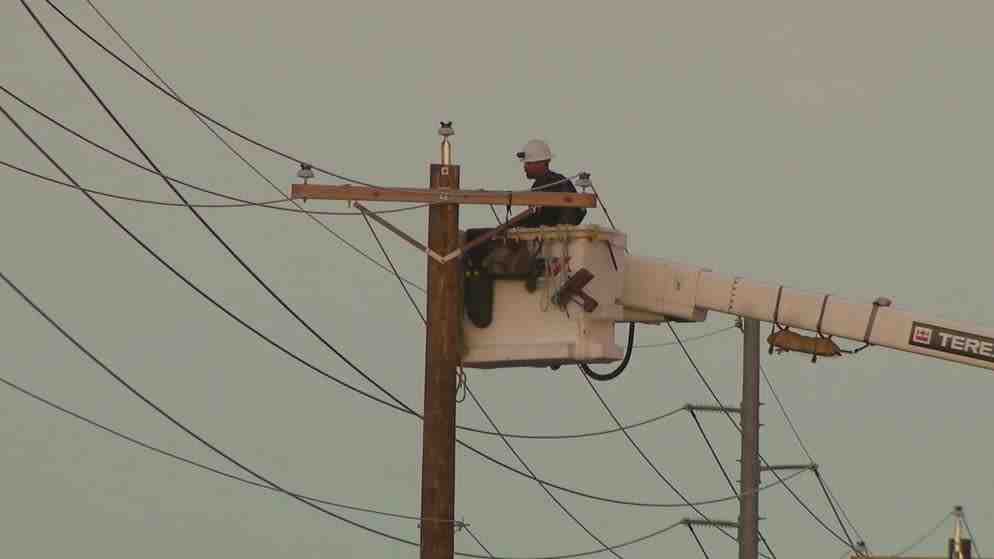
[{"x": 424, "y": 196}]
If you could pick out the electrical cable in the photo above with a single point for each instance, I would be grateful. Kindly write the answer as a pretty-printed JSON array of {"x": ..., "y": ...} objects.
[
  {"x": 649, "y": 461},
  {"x": 689, "y": 339},
  {"x": 317, "y": 369},
  {"x": 700, "y": 544},
  {"x": 602, "y": 377},
  {"x": 200, "y": 218},
  {"x": 211, "y": 119},
  {"x": 138, "y": 442},
  {"x": 147, "y": 201},
  {"x": 396, "y": 273},
  {"x": 725, "y": 474},
  {"x": 270, "y": 484},
  {"x": 182, "y": 426},
  {"x": 714, "y": 395},
  {"x": 559, "y": 503},
  {"x": 797, "y": 436},
  {"x": 924, "y": 536}
]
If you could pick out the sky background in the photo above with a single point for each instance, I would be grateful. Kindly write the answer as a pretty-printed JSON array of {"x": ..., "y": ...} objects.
[{"x": 839, "y": 146}]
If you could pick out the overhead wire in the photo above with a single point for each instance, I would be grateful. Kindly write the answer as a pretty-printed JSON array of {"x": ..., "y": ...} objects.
[
  {"x": 346, "y": 360},
  {"x": 688, "y": 339},
  {"x": 403, "y": 409},
  {"x": 648, "y": 460},
  {"x": 208, "y": 117},
  {"x": 725, "y": 474},
  {"x": 189, "y": 461},
  {"x": 918, "y": 541},
  {"x": 217, "y": 450},
  {"x": 804, "y": 448},
  {"x": 493, "y": 424},
  {"x": 787, "y": 487},
  {"x": 190, "y": 185},
  {"x": 552, "y": 496},
  {"x": 148, "y": 201},
  {"x": 697, "y": 539},
  {"x": 179, "y": 424}
]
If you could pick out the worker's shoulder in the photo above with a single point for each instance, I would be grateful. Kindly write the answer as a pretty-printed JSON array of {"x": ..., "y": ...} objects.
[{"x": 559, "y": 181}]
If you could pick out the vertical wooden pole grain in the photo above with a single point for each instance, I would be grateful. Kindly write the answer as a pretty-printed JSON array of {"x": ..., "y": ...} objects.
[{"x": 441, "y": 362}]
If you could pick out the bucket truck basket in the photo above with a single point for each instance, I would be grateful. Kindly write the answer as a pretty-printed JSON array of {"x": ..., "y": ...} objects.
[{"x": 543, "y": 297}]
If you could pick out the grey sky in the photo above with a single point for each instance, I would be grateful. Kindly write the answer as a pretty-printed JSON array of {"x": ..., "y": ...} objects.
[{"x": 833, "y": 146}]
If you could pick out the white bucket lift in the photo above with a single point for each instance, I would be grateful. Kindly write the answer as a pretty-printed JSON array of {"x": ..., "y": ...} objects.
[{"x": 547, "y": 326}]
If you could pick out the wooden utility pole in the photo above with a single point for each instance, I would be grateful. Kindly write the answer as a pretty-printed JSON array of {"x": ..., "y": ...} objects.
[
  {"x": 749, "y": 482},
  {"x": 444, "y": 320},
  {"x": 438, "y": 461}
]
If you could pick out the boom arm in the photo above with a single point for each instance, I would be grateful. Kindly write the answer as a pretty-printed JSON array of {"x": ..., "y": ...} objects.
[{"x": 680, "y": 292}]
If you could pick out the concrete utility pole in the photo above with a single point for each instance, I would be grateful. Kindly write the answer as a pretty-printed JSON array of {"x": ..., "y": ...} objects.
[
  {"x": 438, "y": 461},
  {"x": 444, "y": 320},
  {"x": 749, "y": 478}
]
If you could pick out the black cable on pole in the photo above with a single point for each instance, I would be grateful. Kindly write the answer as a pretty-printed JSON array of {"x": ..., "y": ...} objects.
[
  {"x": 724, "y": 472},
  {"x": 700, "y": 544},
  {"x": 831, "y": 503},
  {"x": 766, "y": 544},
  {"x": 559, "y": 503},
  {"x": 714, "y": 453},
  {"x": 776, "y": 474},
  {"x": 621, "y": 366}
]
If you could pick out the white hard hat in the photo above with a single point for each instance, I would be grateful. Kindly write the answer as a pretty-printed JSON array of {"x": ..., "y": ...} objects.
[{"x": 535, "y": 150}]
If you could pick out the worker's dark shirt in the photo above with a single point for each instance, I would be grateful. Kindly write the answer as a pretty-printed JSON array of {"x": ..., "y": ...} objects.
[{"x": 551, "y": 215}]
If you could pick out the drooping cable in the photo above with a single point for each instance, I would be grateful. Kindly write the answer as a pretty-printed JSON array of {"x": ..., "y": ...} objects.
[
  {"x": 151, "y": 252},
  {"x": 776, "y": 474},
  {"x": 648, "y": 460},
  {"x": 551, "y": 495},
  {"x": 396, "y": 273},
  {"x": 918, "y": 541},
  {"x": 602, "y": 377},
  {"x": 203, "y": 221},
  {"x": 797, "y": 436}
]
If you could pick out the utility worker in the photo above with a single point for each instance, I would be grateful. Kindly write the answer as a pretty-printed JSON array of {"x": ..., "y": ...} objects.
[{"x": 535, "y": 157}]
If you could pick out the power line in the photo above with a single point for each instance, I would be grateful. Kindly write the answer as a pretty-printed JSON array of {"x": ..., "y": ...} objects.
[
  {"x": 269, "y": 204},
  {"x": 182, "y": 426},
  {"x": 714, "y": 395},
  {"x": 544, "y": 488},
  {"x": 697, "y": 539},
  {"x": 804, "y": 448},
  {"x": 724, "y": 473},
  {"x": 194, "y": 463},
  {"x": 248, "y": 163},
  {"x": 649, "y": 461},
  {"x": 690, "y": 339},
  {"x": 318, "y": 370},
  {"x": 924, "y": 536},
  {"x": 269, "y": 484}
]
